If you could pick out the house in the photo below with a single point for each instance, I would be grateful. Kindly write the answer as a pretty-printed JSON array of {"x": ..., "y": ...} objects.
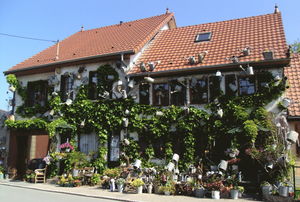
[
  {"x": 84, "y": 89},
  {"x": 4, "y": 139},
  {"x": 293, "y": 111}
]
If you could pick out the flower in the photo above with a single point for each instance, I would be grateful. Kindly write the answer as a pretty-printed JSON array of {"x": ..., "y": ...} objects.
[
  {"x": 47, "y": 159},
  {"x": 66, "y": 145}
]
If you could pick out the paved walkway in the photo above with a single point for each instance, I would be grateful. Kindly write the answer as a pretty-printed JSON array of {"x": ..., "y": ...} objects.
[{"x": 96, "y": 192}]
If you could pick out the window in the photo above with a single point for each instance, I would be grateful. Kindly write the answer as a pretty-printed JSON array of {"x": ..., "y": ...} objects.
[
  {"x": 203, "y": 37},
  {"x": 88, "y": 143},
  {"x": 214, "y": 87},
  {"x": 37, "y": 93},
  {"x": 263, "y": 80},
  {"x": 144, "y": 94},
  {"x": 66, "y": 87},
  {"x": 93, "y": 81},
  {"x": 247, "y": 85},
  {"x": 199, "y": 91},
  {"x": 231, "y": 87},
  {"x": 177, "y": 94},
  {"x": 161, "y": 94}
]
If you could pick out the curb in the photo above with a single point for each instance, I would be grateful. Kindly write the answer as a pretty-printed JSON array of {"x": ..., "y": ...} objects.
[{"x": 70, "y": 193}]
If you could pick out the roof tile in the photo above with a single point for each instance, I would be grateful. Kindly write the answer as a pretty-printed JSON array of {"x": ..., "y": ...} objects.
[{"x": 228, "y": 37}]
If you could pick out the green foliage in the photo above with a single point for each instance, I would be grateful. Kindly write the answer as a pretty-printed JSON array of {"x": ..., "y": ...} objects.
[
  {"x": 104, "y": 83},
  {"x": 137, "y": 183},
  {"x": 112, "y": 172},
  {"x": 30, "y": 124},
  {"x": 77, "y": 159},
  {"x": 251, "y": 130},
  {"x": 296, "y": 46},
  {"x": 12, "y": 80}
]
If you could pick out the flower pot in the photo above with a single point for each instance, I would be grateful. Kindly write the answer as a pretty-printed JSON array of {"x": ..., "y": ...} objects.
[
  {"x": 215, "y": 194},
  {"x": 266, "y": 190},
  {"x": 112, "y": 185},
  {"x": 75, "y": 172},
  {"x": 283, "y": 191},
  {"x": 240, "y": 194},
  {"x": 234, "y": 194},
  {"x": 167, "y": 193},
  {"x": 120, "y": 188},
  {"x": 139, "y": 189},
  {"x": 150, "y": 187},
  {"x": 292, "y": 137},
  {"x": 223, "y": 165},
  {"x": 199, "y": 192}
]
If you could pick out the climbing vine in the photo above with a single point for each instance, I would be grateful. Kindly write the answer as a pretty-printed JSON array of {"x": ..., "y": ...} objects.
[{"x": 162, "y": 131}]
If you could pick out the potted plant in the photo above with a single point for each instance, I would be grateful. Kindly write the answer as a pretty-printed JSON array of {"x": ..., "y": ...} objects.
[
  {"x": 283, "y": 189},
  {"x": 138, "y": 184},
  {"x": 120, "y": 182},
  {"x": 241, "y": 191},
  {"x": 199, "y": 191},
  {"x": 215, "y": 188},
  {"x": 150, "y": 188},
  {"x": 76, "y": 182},
  {"x": 1, "y": 173},
  {"x": 95, "y": 179},
  {"x": 77, "y": 160},
  {"x": 266, "y": 189},
  {"x": 168, "y": 188}
]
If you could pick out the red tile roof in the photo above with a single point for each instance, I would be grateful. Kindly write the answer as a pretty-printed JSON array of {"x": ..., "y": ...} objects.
[
  {"x": 172, "y": 47},
  {"x": 125, "y": 37},
  {"x": 293, "y": 74}
]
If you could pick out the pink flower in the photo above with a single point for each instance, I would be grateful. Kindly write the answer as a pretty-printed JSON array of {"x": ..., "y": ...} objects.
[{"x": 66, "y": 145}]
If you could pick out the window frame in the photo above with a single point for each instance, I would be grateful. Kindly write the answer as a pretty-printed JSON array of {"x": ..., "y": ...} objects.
[
  {"x": 65, "y": 89},
  {"x": 33, "y": 87},
  {"x": 245, "y": 77},
  {"x": 203, "y": 33},
  {"x": 201, "y": 100},
  {"x": 154, "y": 97}
]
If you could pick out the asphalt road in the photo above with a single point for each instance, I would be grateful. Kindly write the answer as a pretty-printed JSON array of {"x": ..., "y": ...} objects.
[{"x": 16, "y": 194}]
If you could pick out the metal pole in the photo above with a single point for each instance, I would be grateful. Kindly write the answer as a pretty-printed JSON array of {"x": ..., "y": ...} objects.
[{"x": 294, "y": 181}]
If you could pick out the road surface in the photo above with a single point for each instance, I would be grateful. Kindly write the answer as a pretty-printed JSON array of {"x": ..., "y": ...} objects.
[{"x": 17, "y": 194}]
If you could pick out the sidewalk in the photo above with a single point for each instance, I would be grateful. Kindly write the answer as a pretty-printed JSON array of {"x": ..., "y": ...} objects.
[{"x": 96, "y": 192}]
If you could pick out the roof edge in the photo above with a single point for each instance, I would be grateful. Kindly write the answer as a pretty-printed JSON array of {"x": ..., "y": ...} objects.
[
  {"x": 205, "y": 68},
  {"x": 67, "y": 61}
]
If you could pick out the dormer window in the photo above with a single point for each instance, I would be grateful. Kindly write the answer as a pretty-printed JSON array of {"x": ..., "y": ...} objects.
[{"x": 203, "y": 37}]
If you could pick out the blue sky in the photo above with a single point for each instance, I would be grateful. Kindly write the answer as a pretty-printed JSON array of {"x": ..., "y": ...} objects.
[{"x": 57, "y": 19}]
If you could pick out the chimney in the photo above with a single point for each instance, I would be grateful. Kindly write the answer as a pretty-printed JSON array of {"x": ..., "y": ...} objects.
[
  {"x": 167, "y": 10},
  {"x": 82, "y": 28},
  {"x": 276, "y": 9},
  {"x": 121, "y": 22},
  {"x": 57, "y": 50}
]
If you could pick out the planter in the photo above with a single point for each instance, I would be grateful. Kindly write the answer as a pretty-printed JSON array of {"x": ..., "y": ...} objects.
[
  {"x": 139, "y": 189},
  {"x": 292, "y": 137},
  {"x": 112, "y": 185},
  {"x": 120, "y": 188},
  {"x": 283, "y": 191},
  {"x": 268, "y": 55},
  {"x": 75, "y": 172},
  {"x": 150, "y": 187},
  {"x": 234, "y": 194},
  {"x": 215, "y": 194},
  {"x": 223, "y": 165},
  {"x": 167, "y": 193},
  {"x": 266, "y": 190},
  {"x": 240, "y": 194},
  {"x": 200, "y": 192}
]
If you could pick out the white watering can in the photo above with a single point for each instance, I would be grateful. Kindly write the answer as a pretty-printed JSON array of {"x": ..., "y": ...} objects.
[
  {"x": 292, "y": 136},
  {"x": 137, "y": 164},
  {"x": 175, "y": 157},
  {"x": 170, "y": 166},
  {"x": 223, "y": 165}
]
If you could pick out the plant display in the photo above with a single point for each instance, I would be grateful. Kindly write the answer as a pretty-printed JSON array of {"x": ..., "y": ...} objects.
[
  {"x": 137, "y": 183},
  {"x": 95, "y": 179},
  {"x": 112, "y": 172},
  {"x": 66, "y": 145},
  {"x": 120, "y": 181},
  {"x": 245, "y": 127}
]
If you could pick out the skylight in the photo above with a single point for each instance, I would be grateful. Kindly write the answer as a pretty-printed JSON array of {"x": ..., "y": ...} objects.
[{"x": 203, "y": 37}]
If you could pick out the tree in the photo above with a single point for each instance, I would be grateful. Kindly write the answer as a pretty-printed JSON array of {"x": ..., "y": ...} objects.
[{"x": 296, "y": 46}]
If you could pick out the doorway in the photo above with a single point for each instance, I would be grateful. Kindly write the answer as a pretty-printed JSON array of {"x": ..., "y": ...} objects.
[{"x": 22, "y": 155}]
